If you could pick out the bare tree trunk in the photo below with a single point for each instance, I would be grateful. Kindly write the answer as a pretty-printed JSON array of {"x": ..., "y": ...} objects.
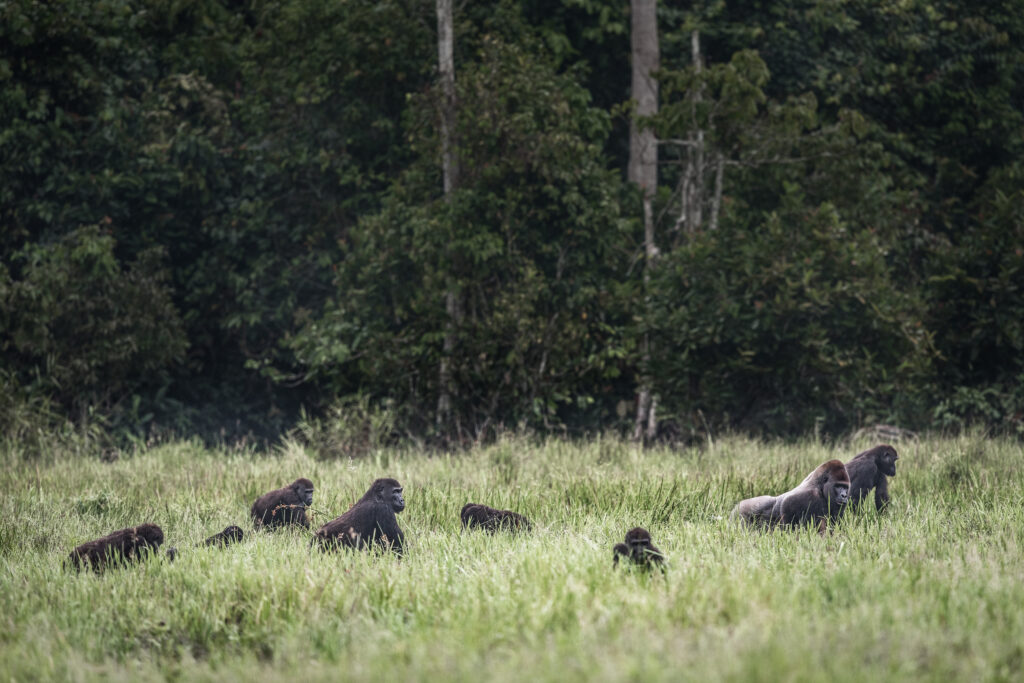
[
  {"x": 697, "y": 204},
  {"x": 652, "y": 419},
  {"x": 450, "y": 171},
  {"x": 686, "y": 183},
  {"x": 691, "y": 185},
  {"x": 643, "y": 147},
  {"x": 716, "y": 202},
  {"x": 643, "y": 170},
  {"x": 446, "y": 68}
]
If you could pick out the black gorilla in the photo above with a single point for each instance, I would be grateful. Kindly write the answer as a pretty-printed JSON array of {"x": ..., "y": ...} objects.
[
  {"x": 284, "y": 506},
  {"x": 868, "y": 470},
  {"x": 231, "y": 534},
  {"x": 639, "y": 550},
  {"x": 123, "y": 545},
  {"x": 371, "y": 520},
  {"x": 491, "y": 519}
]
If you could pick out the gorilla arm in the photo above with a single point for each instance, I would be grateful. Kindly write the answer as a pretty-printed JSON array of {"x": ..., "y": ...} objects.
[{"x": 881, "y": 492}]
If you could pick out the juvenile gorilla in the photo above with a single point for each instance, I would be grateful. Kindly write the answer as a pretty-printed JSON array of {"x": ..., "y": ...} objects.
[
  {"x": 371, "y": 520},
  {"x": 124, "y": 545},
  {"x": 231, "y": 534},
  {"x": 820, "y": 497},
  {"x": 284, "y": 506},
  {"x": 639, "y": 550},
  {"x": 492, "y": 520},
  {"x": 869, "y": 470}
]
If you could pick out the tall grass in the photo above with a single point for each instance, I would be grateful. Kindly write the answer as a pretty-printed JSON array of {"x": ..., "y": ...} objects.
[{"x": 932, "y": 589}]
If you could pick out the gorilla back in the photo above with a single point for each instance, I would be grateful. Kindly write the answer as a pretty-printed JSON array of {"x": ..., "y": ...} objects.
[
  {"x": 121, "y": 546},
  {"x": 491, "y": 519}
]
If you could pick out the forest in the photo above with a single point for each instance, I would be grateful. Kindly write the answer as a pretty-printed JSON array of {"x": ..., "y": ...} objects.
[{"x": 238, "y": 219}]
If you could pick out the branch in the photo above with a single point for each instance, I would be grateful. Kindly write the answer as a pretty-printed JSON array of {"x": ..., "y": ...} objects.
[{"x": 680, "y": 143}]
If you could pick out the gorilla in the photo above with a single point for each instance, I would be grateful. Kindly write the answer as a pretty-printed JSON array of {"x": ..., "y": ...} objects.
[
  {"x": 122, "y": 546},
  {"x": 371, "y": 520},
  {"x": 819, "y": 498},
  {"x": 639, "y": 550},
  {"x": 492, "y": 520},
  {"x": 284, "y": 506},
  {"x": 229, "y": 535},
  {"x": 869, "y": 470}
]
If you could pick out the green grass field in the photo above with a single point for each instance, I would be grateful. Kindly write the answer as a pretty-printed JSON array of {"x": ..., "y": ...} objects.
[{"x": 932, "y": 590}]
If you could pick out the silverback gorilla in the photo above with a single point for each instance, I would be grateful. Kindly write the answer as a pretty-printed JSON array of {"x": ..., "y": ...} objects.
[
  {"x": 371, "y": 520},
  {"x": 819, "y": 498}
]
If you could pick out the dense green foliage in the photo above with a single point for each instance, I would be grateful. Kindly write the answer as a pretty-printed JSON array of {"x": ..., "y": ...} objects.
[
  {"x": 528, "y": 240},
  {"x": 796, "y": 319},
  {"x": 215, "y": 215},
  {"x": 931, "y": 590}
]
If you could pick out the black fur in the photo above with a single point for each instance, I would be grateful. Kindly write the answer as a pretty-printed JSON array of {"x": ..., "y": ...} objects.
[
  {"x": 122, "y": 546},
  {"x": 868, "y": 470},
  {"x": 371, "y": 520},
  {"x": 492, "y": 520},
  {"x": 639, "y": 550},
  {"x": 284, "y": 506},
  {"x": 231, "y": 534}
]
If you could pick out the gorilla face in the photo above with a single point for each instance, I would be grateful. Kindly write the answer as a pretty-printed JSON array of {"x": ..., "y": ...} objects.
[
  {"x": 841, "y": 493},
  {"x": 303, "y": 488},
  {"x": 887, "y": 461},
  {"x": 397, "y": 501}
]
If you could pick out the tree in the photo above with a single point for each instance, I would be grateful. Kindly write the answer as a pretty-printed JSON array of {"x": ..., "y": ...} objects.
[
  {"x": 82, "y": 328},
  {"x": 643, "y": 170},
  {"x": 532, "y": 238},
  {"x": 450, "y": 173}
]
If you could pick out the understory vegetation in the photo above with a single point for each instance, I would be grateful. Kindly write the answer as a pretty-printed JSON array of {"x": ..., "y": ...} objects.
[{"x": 930, "y": 590}]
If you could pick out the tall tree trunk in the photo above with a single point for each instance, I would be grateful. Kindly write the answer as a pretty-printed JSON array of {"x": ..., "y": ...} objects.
[
  {"x": 716, "y": 202},
  {"x": 446, "y": 69},
  {"x": 643, "y": 170},
  {"x": 450, "y": 171},
  {"x": 696, "y": 213},
  {"x": 692, "y": 184}
]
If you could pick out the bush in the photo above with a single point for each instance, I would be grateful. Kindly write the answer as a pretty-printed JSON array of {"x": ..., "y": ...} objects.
[
  {"x": 791, "y": 326},
  {"x": 351, "y": 428},
  {"x": 81, "y": 330}
]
